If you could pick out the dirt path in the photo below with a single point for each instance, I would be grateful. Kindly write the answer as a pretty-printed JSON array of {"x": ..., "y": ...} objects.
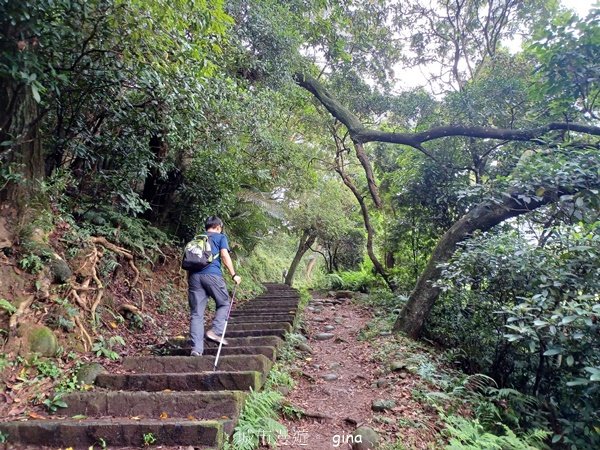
[{"x": 359, "y": 375}]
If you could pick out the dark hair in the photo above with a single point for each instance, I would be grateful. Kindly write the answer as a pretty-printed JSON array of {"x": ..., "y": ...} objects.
[{"x": 212, "y": 222}]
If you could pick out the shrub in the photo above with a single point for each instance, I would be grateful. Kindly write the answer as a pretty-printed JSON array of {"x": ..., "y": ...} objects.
[{"x": 526, "y": 316}]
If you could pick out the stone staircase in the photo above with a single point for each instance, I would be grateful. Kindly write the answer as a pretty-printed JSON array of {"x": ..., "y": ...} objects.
[{"x": 176, "y": 399}]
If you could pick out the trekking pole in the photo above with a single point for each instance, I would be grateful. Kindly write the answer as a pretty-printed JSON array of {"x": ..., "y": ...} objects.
[{"x": 224, "y": 328}]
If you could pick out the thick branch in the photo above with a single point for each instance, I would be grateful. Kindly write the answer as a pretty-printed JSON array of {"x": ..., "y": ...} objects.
[
  {"x": 337, "y": 110},
  {"x": 364, "y": 161},
  {"x": 367, "y": 221},
  {"x": 359, "y": 133},
  {"x": 306, "y": 240},
  {"x": 483, "y": 217}
]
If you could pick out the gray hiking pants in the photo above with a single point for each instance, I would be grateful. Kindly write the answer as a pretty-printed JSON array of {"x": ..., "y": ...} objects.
[{"x": 200, "y": 287}]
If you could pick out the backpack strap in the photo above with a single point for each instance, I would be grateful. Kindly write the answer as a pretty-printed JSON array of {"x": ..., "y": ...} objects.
[{"x": 211, "y": 242}]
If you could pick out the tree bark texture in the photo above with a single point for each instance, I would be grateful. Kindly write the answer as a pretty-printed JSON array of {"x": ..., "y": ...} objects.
[
  {"x": 306, "y": 241},
  {"x": 160, "y": 191},
  {"x": 367, "y": 221},
  {"x": 19, "y": 116},
  {"x": 481, "y": 218}
]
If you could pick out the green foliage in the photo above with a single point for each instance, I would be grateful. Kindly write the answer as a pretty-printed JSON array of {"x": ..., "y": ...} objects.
[
  {"x": 61, "y": 316},
  {"x": 469, "y": 434},
  {"x": 359, "y": 281},
  {"x": 291, "y": 412},
  {"x": 55, "y": 402},
  {"x": 133, "y": 232},
  {"x": 3, "y": 437},
  {"x": 384, "y": 305},
  {"x": 4, "y": 362},
  {"x": 258, "y": 421},
  {"x": 288, "y": 353},
  {"x": 167, "y": 299},
  {"x": 68, "y": 383},
  {"x": 47, "y": 368},
  {"x": 563, "y": 47},
  {"x": 525, "y": 315},
  {"x": 278, "y": 377},
  {"x": 7, "y": 306},
  {"x": 32, "y": 263},
  {"x": 105, "y": 347},
  {"x": 149, "y": 439}
]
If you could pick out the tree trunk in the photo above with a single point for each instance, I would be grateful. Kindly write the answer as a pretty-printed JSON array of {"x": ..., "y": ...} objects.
[
  {"x": 159, "y": 191},
  {"x": 367, "y": 221},
  {"x": 364, "y": 161},
  {"x": 390, "y": 261},
  {"x": 308, "y": 238},
  {"x": 310, "y": 267},
  {"x": 19, "y": 116},
  {"x": 482, "y": 217}
]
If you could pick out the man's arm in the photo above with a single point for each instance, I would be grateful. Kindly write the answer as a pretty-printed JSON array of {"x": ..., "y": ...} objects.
[{"x": 229, "y": 264}]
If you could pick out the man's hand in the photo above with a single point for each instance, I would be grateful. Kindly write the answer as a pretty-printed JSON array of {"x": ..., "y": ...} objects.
[{"x": 237, "y": 279}]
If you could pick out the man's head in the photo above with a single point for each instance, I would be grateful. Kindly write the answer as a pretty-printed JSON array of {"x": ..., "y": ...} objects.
[{"x": 213, "y": 223}]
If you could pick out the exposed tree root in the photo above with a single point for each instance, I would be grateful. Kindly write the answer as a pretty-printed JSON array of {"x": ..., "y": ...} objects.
[
  {"x": 121, "y": 251},
  {"x": 142, "y": 299},
  {"x": 80, "y": 293},
  {"x": 85, "y": 337},
  {"x": 88, "y": 294},
  {"x": 23, "y": 307}
]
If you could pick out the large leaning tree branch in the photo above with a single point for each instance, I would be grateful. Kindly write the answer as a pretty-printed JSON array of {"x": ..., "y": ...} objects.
[
  {"x": 359, "y": 133},
  {"x": 482, "y": 217},
  {"x": 339, "y": 168}
]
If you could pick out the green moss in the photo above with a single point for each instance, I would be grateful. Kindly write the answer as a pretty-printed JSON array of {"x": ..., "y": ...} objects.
[
  {"x": 87, "y": 373},
  {"x": 42, "y": 340}
]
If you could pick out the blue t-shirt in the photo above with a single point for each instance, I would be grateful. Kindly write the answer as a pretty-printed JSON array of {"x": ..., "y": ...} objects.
[{"x": 217, "y": 241}]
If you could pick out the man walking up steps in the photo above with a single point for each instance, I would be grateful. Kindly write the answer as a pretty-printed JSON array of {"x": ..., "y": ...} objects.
[{"x": 209, "y": 282}]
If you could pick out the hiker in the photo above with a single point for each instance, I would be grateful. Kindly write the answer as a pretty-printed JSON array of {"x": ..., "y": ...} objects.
[{"x": 209, "y": 282}]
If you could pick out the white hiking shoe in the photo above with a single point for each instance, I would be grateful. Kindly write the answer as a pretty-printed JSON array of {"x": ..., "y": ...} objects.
[{"x": 215, "y": 337}]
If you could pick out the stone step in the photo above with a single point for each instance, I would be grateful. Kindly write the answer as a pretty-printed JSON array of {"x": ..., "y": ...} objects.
[
  {"x": 279, "y": 287},
  {"x": 250, "y": 341},
  {"x": 278, "y": 296},
  {"x": 237, "y": 326},
  {"x": 269, "y": 352},
  {"x": 273, "y": 299},
  {"x": 119, "y": 432},
  {"x": 201, "y": 381},
  {"x": 152, "y": 405},
  {"x": 272, "y": 302},
  {"x": 263, "y": 312},
  {"x": 280, "y": 332},
  {"x": 266, "y": 304},
  {"x": 265, "y": 318},
  {"x": 181, "y": 364}
]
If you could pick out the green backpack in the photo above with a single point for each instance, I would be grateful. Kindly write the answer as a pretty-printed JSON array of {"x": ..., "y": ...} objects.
[{"x": 197, "y": 254}]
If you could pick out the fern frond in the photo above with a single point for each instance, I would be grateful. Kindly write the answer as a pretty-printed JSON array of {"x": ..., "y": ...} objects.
[{"x": 263, "y": 200}]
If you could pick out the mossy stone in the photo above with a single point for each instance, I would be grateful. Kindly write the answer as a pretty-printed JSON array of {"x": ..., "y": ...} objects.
[
  {"x": 61, "y": 272},
  {"x": 42, "y": 340},
  {"x": 365, "y": 438},
  {"x": 383, "y": 405},
  {"x": 87, "y": 373}
]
